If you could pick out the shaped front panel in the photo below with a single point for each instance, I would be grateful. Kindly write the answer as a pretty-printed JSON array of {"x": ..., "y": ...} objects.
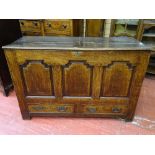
[
  {"x": 77, "y": 79},
  {"x": 116, "y": 79},
  {"x": 37, "y": 78}
]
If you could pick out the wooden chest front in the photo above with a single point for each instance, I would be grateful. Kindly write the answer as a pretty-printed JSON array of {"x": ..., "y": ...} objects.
[
  {"x": 76, "y": 76},
  {"x": 79, "y": 83}
]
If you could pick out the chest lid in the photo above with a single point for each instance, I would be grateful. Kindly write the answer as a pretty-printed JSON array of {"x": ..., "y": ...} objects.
[{"x": 77, "y": 43}]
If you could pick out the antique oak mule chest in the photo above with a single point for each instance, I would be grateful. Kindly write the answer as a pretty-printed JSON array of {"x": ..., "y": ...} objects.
[{"x": 78, "y": 77}]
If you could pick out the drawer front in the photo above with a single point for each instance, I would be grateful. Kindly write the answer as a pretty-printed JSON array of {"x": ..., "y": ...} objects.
[
  {"x": 58, "y": 27},
  {"x": 31, "y": 33},
  {"x": 30, "y": 26},
  {"x": 48, "y": 108},
  {"x": 103, "y": 109}
]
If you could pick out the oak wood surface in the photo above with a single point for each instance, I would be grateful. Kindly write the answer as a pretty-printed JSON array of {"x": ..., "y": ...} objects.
[
  {"x": 96, "y": 83},
  {"x": 51, "y": 27}
]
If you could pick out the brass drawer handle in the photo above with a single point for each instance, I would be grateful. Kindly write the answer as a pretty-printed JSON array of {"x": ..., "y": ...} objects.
[
  {"x": 35, "y": 24},
  {"x": 61, "y": 108},
  {"x": 64, "y": 26},
  {"x": 22, "y": 23},
  {"x": 49, "y": 25},
  {"x": 116, "y": 110},
  {"x": 39, "y": 108},
  {"x": 91, "y": 109}
]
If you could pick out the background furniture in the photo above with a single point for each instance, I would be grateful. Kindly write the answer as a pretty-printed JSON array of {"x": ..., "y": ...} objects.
[
  {"x": 146, "y": 34},
  {"x": 51, "y": 27},
  {"x": 124, "y": 27},
  {"x": 63, "y": 27},
  {"x": 94, "y": 27},
  {"x": 32, "y": 27},
  {"x": 80, "y": 77},
  {"x": 9, "y": 32}
]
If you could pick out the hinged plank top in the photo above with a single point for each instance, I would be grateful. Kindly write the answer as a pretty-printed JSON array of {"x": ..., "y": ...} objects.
[{"x": 77, "y": 43}]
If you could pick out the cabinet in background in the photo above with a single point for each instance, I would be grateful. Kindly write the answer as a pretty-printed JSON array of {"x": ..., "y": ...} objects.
[
  {"x": 146, "y": 34},
  {"x": 124, "y": 27},
  {"x": 51, "y": 27}
]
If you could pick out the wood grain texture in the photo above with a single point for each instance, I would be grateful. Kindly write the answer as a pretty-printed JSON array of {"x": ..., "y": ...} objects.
[
  {"x": 107, "y": 109},
  {"x": 107, "y": 81},
  {"x": 50, "y": 108},
  {"x": 51, "y": 27},
  {"x": 37, "y": 77},
  {"x": 18, "y": 83},
  {"x": 58, "y": 27},
  {"x": 78, "y": 44},
  {"x": 11, "y": 122},
  {"x": 136, "y": 84},
  {"x": 94, "y": 27},
  {"x": 97, "y": 75},
  {"x": 77, "y": 77},
  {"x": 116, "y": 79},
  {"x": 57, "y": 77},
  {"x": 31, "y": 27}
]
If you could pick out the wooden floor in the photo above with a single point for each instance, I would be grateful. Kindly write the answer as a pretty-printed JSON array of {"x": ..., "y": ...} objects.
[{"x": 144, "y": 121}]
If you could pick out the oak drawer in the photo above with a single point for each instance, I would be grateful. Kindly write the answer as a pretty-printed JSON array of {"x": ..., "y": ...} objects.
[
  {"x": 103, "y": 109},
  {"x": 58, "y": 27},
  {"x": 30, "y": 26},
  {"x": 31, "y": 33},
  {"x": 51, "y": 108}
]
